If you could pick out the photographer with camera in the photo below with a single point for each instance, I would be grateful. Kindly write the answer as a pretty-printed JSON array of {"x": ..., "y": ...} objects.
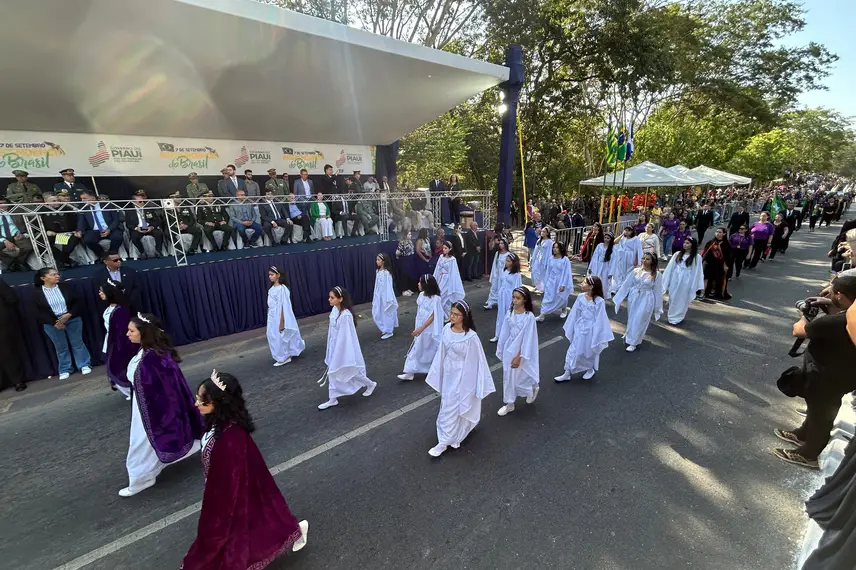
[{"x": 826, "y": 373}]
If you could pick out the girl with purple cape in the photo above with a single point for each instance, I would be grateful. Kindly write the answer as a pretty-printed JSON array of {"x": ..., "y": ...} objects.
[
  {"x": 245, "y": 522},
  {"x": 165, "y": 424},
  {"x": 118, "y": 349}
]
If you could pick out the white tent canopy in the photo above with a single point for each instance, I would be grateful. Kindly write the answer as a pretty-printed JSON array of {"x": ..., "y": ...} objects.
[
  {"x": 733, "y": 178},
  {"x": 219, "y": 69},
  {"x": 643, "y": 175},
  {"x": 698, "y": 177}
]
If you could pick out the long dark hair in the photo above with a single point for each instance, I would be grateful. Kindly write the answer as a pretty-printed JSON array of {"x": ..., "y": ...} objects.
[
  {"x": 563, "y": 249},
  {"x": 114, "y": 294},
  {"x": 527, "y": 299},
  {"x": 280, "y": 274},
  {"x": 153, "y": 336},
  {"x": 515, "y": 263},
  {"x": 596, "y": 286},
  {"x": 429, "y": 285},
  {"x": 385, "y": 262},
  {"x": 608, "y": 255},
  {"x": 693, "y": 252},
  {"x": 229, "y": 405},
  {"x": 653, "y": 258},
  {"x": 347, "y": 302},
  {"x": 467, "y": 322}
]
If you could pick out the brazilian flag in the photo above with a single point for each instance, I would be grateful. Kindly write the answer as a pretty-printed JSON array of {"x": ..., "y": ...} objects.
[
  {"x": 777, "y": 205},
  {"x": 611, "y": 146}
]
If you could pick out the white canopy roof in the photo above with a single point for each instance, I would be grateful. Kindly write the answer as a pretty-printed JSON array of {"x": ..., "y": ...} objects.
[
  {"x": 642, "y": 175},
  {"x": 698, "y": 177},
  {"x": 221, "y": 69},
  {"x": 732, "y": 178}
]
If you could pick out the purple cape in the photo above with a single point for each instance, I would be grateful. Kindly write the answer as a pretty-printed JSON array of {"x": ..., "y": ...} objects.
[
  {"x": 167, "y": 407},
  {"x": 120, "y": 350},
  {"x": 245, "y": 522}
]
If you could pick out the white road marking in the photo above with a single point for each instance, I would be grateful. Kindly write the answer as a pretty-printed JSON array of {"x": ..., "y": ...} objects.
[{"x": 179, "y": 516}]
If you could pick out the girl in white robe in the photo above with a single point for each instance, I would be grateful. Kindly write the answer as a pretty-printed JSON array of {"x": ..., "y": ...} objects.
[
  {"x": 518, "y": 351},
  {"x": 628, "y": 255},
  {"x": 602, "y": 261},
  {"x": 496, "y": 272},
  {"x": 587, "y": 328},
  {"x": 541, "y": 256},
  {"x": 427, "y": 331},
  {"x": 283, "y": 334},
  {"x": 384, "y": 303},
  {"x": 346, "y": 368},
  {"x": 508, "y": 282},
  {"x": 461, "y": 375},
  {"x": 448, "y": 278},
  {"x": 643, "y": 289},
  {"x": 558, "y": 283},
  {"x": 683, "y": 279}
]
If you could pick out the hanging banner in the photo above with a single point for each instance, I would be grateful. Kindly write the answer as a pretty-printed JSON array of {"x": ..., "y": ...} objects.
[{"x": 45, "y": 154}]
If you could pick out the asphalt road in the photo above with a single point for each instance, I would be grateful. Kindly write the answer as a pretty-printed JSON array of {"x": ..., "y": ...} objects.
[{"x": 662, "y": 462}]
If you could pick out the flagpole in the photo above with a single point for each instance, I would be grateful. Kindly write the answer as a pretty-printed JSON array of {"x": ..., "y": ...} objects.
[{"x": 522, "y": 171}]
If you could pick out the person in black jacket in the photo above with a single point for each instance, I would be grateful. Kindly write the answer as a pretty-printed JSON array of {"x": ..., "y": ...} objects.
[
  {"x": 126, "y": 276},
  {"x": 739, "y": 218},
  {"x": 142, "y": 222},
  {"x": 58, "y": 311},
  {"x": 274, "y": 215},
  {"x": 792, "y": 219},
  {"x": 11, "y": 361},
  {"x": 473, "y": 258},
  {"x": 60, "y": 220},
  {"x": 215, "y": 218},
  {"x": 459, "y": 251},
  {"x": 703, "y": 221}
]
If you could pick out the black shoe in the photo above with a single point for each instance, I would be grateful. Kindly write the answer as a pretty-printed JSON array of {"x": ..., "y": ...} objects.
[{"x": 21, "y": 387}]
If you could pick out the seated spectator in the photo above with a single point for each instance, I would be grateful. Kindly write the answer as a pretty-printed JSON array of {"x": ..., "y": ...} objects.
[
  {"x": 96, "y": 223},
  {"x": 297, "y": 216},
  {"x": 15, "y": 248},
  {"x": 274, "y": 215},
  {"x": 215, "y": 218},
  {"x": 187, "y": 224},
  {"x": 368, "y": 216},
  {"x": 319, "y": 213},
  {"x": 60, "y": 222},
  {"x": 142, "y": 222},
  {"x": 244, "y": 216}
]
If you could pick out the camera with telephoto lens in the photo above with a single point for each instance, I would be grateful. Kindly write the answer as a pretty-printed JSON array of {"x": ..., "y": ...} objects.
[{"x": 809, "y": 312}]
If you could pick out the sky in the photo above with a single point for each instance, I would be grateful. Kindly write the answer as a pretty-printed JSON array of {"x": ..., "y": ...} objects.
[{"x": 829, "y": 22}]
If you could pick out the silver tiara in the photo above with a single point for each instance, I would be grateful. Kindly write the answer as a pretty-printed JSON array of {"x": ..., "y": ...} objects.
[
  {"x": 143, "y": 318},
  {"x": 215, "y": 377}
]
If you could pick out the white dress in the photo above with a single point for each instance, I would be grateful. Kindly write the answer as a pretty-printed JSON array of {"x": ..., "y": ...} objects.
[
  {"x": 587, "y": 328},
  {"x": 384, "y": 303},
  {"x": 283, "y": 345},
  {"x": 142, "y": 462},
  {"x": 558, "y": 275},
  {"x": 449, "y": 279},
  {"x": 495, "y": 273},
  {"x": 626, "y": 255},
  {"x": 681, "y": 283},
  {"x": 108, "y": 312},
  {"x": 644, "y": 300},
  {"x": 461, "y": 375},
  {"x": 650, "y": 244},
  {"x": 508, "y": 282},
  {"x": 541, "y": 256},
  {"x": 346, "y": 368},
  {"x": 519, "y": 336},
  {"x": 323, "y": 226},
  {"x": 603, "y": 269},
  {"x": 424, "y": 347}
]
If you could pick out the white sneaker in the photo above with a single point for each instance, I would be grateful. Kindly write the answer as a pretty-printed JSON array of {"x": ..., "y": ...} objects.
[
  {"x": 494, "y": 339},
  {"x": 539, "y": 319},
  {"x": 64, "y": 376},
  {"x": 386, "y": 336},
  {"x": 370, "y": 390},
  {"x": 437, "y": 450},
  {"x": 630, "y": 348},
  {"x": 408, "y": 293},
  {"x": 304, "y": 536},
  {"x": 128, "y": 492},
  {"x": 564, "y": 377},
  {"x": 531, "y": 399},
  {"x": 487, "y": 306},
  {"x": 505, "y": 410},
  {"x": 282, "y": 362},
  {"x": 86, "y": 370},
  {"x": 328, "y": 404},
  {"x": 405, "y": 376},
  {"x": 588, "y": 375},
  {"x": 563, "y": 314}
]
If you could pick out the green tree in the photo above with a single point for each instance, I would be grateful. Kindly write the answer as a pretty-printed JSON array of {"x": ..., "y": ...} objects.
[
  {"x": 766, "y": 155},
  {"x": 438, "y": 147}
]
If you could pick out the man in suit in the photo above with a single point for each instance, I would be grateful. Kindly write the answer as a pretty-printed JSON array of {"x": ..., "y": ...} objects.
[
  {"x": 739, "y": 218},
  {"x": 704, "y": 221},
  {"x": 297, "y": 216},
  {"x": 474, "y": 271},
  {"x": 95, "y": 223},
  {"x": 22, "y": 191},
  {"x": 60, "y": 223},
  {"x": 196, "y": 188},
  {"x": 305, "y": 187},
  {"x": 244, "y": 216},
  {"x": 273, "y": 215},
  {"x": 437, "y": 185},
  {"x": 384, "y": 185},
  {"x": 276, "y": 185},
  {"x": 251, "y": 185},
  {"x": 142, "y": 222},
  {"x": 792, "y": 218},
  {"x": 459, "y": 250},
  {"x": 15, "y": 248},
  {"x": 69, "y": 185},
  {"x": 127, "y": 276},
  {"x": 215, "y": 218},
  {"x": 230, "y": 184}
]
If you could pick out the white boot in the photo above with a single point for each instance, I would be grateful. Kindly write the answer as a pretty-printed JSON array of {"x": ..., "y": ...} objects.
[
  {"x": 589, "y": 374},
  {"x": 304, "y": 536},
  {"x": 505, "y": 410},
  {"x": 328, "y": 404},
  {"x": 405, "y": 376},
  {"x": 566, "y": 375},
  {"x": 531, "y": 399},
  {"x": 437, "y": 450},
  {"x": 370, "y": 390}
]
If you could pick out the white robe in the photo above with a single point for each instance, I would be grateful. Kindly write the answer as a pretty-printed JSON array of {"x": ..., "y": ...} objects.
[
  {"x": 587, "y": 328},
  {"x": 603, "y": 269},
  {"x": 283, "y": 345},
  {"x": 461, "y": 375},
  {"x": 424, "y": 347},
  {"x": 449, "y": 279},
  {"x": 142, "y": 463},
  {"x": 519, "y": 336},
  {"x": 541, "y": 256},
  {"x": 644, "y": 300},
  {"x": 681, "y": 283},
  {"x": 558, "y": 275},
  {"x": 384, "y": 303},
  {"x": 626, "y": 255},
  {"x": 346, "y": 368},
  {"x": 507, "y": 284},
  {"x": 495, "y": 274}
]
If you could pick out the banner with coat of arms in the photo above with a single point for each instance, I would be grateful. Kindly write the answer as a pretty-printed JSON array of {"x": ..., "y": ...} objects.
[{"x": 45, "y": 154}]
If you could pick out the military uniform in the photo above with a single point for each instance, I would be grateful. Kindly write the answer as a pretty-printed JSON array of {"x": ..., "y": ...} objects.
[
  {"x": 195, "y": 190},
  {"x": 277, "y": 186},
  {"x": 22, "y": 192},
  {"x": 73, "y": 188},
  {"x": 186, "y": 216},
  {"x": 215, "y": 214}
]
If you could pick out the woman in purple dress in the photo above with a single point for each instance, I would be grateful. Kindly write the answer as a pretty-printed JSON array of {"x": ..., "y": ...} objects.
[
  {"x": 681, "y": 234},
  {"x": 762, "y": 238},
  {"x": 118, "y": 349},
  {"x": 165, "y": 425},
  {"x": 245, "y": 522},
  {"x": 667, "y": 234}
]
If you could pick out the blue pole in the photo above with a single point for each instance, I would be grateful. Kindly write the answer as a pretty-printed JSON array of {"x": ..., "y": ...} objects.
[{"x": 507, "y": 145}]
